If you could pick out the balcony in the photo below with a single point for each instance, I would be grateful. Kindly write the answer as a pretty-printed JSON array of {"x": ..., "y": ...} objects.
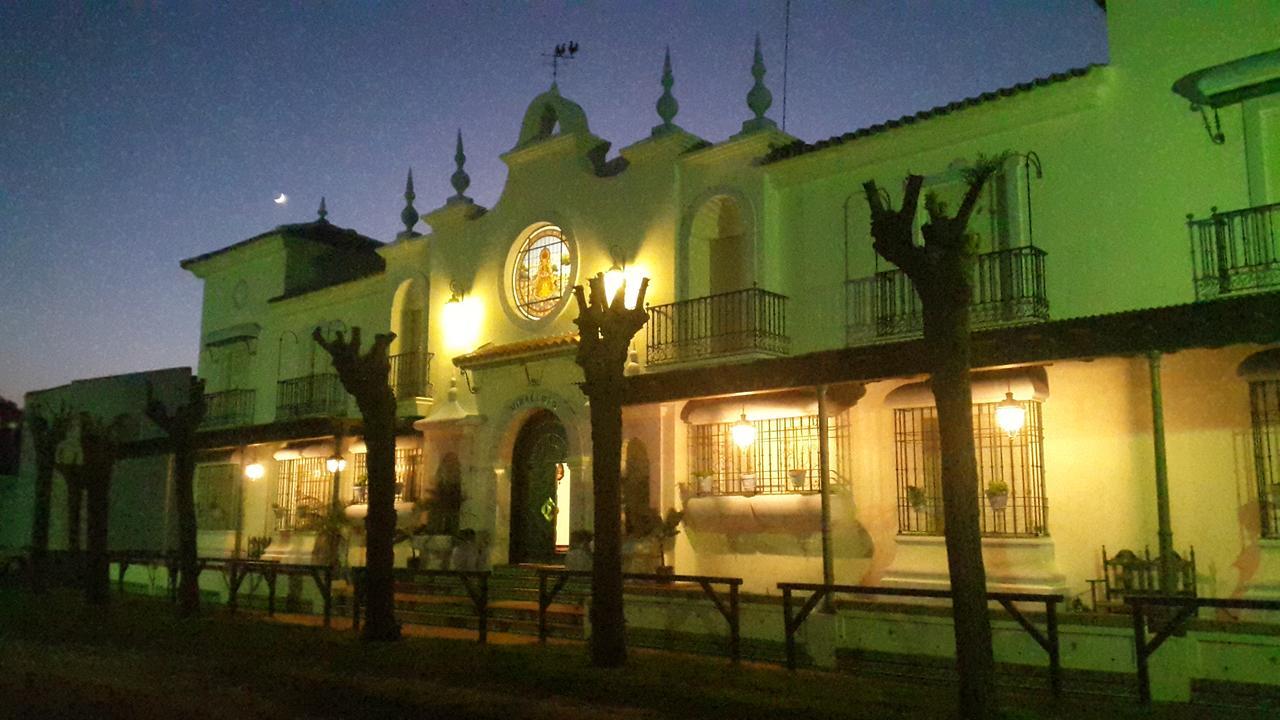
[
  {"x": 1235, "y": 252},
  {"x": 742, "y": 322},
  {"x": 408, "y": 375},
  {"x": 229, "y": 408},
  {"x": 1008, "y": 289},
  {"x": 310, "y": 395}
]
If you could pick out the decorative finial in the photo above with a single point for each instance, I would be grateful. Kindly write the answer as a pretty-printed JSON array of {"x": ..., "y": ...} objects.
[
  {"x": 409, "y": 216},
  {"x": 460, "y": 179},
  {"x": 759, "y": 98},
  {"x": 667, "y": 105},
  {"x": 322, "y": 212}
]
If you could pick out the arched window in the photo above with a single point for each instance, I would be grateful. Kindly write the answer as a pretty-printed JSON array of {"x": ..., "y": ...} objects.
[{"x": 721, "y": 251}]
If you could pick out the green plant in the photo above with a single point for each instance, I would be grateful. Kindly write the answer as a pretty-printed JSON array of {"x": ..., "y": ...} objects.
[
  {"x": 915, "y": 496},
  {"x": 997, "y": 487},
  {"x": 443, "y": 505},
  {"x": 666, "y": 530}
]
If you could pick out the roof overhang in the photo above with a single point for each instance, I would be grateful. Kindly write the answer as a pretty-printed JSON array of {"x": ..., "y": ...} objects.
[{"x": 1248, "y": 319}]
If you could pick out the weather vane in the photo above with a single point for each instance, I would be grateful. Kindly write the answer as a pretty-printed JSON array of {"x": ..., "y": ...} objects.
[{"x": 563, "y": 51}]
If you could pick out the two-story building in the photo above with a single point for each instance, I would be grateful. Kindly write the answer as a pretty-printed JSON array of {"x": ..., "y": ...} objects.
[{"x": 1125, "y": 302}]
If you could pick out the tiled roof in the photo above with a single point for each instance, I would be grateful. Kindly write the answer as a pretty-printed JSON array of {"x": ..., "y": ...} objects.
[
  {"x": 320, "y": 231},
  {"x": 800, "y": 147},
  {"x": 537, "y": 346}
]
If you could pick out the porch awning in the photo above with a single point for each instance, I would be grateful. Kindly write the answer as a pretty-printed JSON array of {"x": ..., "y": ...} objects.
[
  {"x": 234, "y": 333},
  {"x": 768, "y": 405},
  {"x": 1263, "y": 365},
  {"x": 1232, "y": 82},
  {"x": 1026, "y": 383}
]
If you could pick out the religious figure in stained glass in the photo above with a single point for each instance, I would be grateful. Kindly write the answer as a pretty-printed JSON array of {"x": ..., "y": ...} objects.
[{"x": 542, "y": 272}]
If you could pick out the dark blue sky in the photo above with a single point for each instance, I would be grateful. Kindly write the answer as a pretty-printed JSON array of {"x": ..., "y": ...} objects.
[{"x": 133, "y": 135}]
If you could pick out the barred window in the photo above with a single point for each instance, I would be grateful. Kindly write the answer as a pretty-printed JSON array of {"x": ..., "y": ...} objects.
[
  {"x": 1264, "y": 406},
  {"x": 215, "y": 496},
  {"x": 1014, "y": 465},
  {"x": 304, "y": 491},
  {"x": 782, "y": 459},
  {"x": 407, "y": 485}
]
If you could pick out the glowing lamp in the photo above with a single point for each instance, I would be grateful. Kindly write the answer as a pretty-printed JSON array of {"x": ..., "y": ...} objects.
[
  {"x": 744, "y": 433},
  {"x": 1010, "y": 415},
  {"x": 613, "y": 280},
  {"x": 335, "y": 464},
  {"x": 254, "y": 471}
]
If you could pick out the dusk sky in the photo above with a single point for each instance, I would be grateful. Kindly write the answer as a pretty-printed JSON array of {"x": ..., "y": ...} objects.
[{"x": 133, "y": 135}]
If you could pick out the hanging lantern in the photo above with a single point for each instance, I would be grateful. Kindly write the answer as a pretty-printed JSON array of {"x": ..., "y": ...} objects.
[
  {"x": 254, "y": 471},
  {"x": 335, "y": 464},
  {"x": 1010, "y": 415},
  {"x": 744, "y": 433}
]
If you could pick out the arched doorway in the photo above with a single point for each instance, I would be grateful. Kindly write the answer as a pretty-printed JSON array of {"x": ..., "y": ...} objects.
[{"x": 538, "y": 505}]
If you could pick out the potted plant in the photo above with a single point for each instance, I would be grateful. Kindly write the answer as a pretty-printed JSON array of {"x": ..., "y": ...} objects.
[
  {"x": 998, "y": 494},
  {"x": 443, "y": 506},
  {"x": 748, "y": 483},
  {"x": 664, "y": 531},
  {"x": 797, "y": 477},
  {"x": 915, "y": 497},
  {"x": 329, "y": 527}
]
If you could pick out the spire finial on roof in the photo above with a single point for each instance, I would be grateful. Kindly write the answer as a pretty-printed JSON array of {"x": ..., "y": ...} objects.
[
  {"x": 409, "y": 216},
  {"x": 322, "y": 212},
  {"x": 759, "y": 98},
  {"x": 460, "y": 180},
  {"x": 667, "y": 105}
]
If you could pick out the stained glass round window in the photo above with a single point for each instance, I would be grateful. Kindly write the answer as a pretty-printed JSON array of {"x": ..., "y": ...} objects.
[{"x": 541, "y": 273}]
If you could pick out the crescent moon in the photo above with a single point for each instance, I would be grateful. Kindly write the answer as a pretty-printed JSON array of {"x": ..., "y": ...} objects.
[{"x": 282, "y": 199}]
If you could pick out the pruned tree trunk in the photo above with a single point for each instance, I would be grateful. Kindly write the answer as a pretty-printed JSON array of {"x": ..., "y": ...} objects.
[
  {"x": 75, "y": 503},
  {"x": 605, "y": 329},
  {"x": 98, "y": 443},
  {"x": 181, "y": 426},
  {"x": 365, "y": 377},
  {"x": 941, "y": 272},
  {"x": 48, "y": 429}
]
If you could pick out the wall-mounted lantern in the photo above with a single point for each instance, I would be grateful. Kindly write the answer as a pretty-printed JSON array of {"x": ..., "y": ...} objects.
[
  {"x": 1010, "y": 415},
  {"x": 743, "y": 432}
]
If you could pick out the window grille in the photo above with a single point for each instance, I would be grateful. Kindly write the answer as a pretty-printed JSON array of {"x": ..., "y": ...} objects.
[
  {"x": 304, "y": 492},
  {"x": 407, "y": 462},
  {"x": 1264, "y": 405},
  {"x": 781, "y": 446},
  {"x": 1018, "y": 462},
  {"x": 215, "y": 496}
]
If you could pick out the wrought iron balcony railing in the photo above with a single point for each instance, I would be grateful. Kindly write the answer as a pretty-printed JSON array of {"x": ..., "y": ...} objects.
[
  {"x": 409, "y": 374},
  {"x": 1008, "y": 289},
  {"x": 1235, "y": 251},
  {"x": 742, "y": 321},
  {"x": 228, "y": 409},
  {"x": 310, "y": 395}
]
